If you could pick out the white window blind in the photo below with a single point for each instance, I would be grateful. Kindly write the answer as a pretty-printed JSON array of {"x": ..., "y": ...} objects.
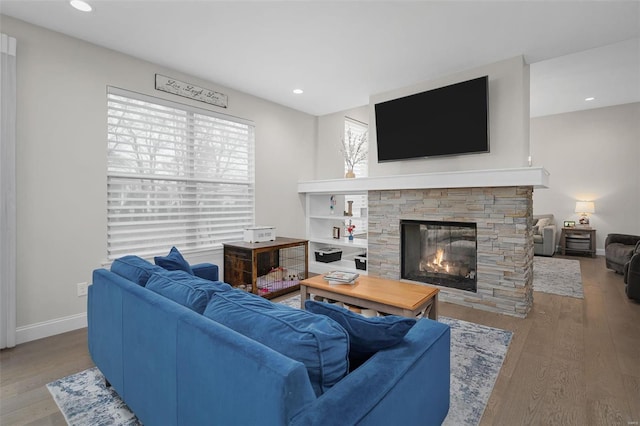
[{"x": 176, "y": 175}]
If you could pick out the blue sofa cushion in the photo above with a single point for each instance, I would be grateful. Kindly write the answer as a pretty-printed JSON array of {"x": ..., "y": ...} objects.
[
  {"x": 173, "y": 261},
  {"x": 134, "y": 269},
  {"x": 366, "y": 335},
  {"x": 317, "y": 341},
  {"x": 185, "y": 289}
]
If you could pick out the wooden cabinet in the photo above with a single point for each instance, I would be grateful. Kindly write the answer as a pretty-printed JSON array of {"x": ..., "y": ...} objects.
[
  {"x": 578, "y": 240},
  {"x": 270, "y": 268}
]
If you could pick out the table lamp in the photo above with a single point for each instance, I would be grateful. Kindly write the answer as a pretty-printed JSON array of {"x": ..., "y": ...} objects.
[{"x": 584, "y": 208}]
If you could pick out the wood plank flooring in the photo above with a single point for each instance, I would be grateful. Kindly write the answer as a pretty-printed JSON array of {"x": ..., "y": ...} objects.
[{"x": 571, "y": 361}]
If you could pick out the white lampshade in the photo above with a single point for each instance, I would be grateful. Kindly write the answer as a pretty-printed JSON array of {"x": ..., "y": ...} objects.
[{"x": 585, "y": 207}]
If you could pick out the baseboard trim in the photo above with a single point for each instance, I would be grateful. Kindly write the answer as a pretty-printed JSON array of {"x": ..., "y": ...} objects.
[{"x": 49, "y": 328}]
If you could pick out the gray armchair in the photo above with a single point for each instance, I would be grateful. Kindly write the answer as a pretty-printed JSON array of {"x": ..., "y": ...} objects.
[
  {"x": 544, "y": 235},
  {"x": 632, "y": 275},
  {"x": 618, "y": 249}
]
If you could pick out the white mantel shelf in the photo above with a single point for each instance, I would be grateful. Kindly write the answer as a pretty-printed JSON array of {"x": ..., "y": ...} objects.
[{"x": 537, "y": 177}]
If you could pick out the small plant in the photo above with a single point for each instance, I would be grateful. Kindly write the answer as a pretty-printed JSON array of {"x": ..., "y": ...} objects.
[
  {"x": 354, "y": 148},
  {"x": 351, "y": 228}
]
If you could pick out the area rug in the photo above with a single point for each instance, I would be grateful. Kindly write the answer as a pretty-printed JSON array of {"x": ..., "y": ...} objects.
[
  {"x": 84, "y": 400},
  {"x": 477, "y": 354},
  {"x": 557, "y": 276}
]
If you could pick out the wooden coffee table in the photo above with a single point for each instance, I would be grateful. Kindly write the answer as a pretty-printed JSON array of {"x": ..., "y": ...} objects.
[{"x": 382, "y": 295}]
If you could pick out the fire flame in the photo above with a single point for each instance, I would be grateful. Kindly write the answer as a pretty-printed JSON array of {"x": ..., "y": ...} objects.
[{"x": 438, "y": 259}]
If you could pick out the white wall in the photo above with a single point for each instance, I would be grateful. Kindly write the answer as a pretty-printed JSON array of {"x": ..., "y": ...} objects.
[
  {"x": 61, "y": 165},
  {"x": 508, "y": 122},
  {"x": 592, "y": 155}
]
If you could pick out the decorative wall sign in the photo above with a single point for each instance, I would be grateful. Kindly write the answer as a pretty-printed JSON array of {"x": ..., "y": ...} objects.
[{"x": 191, "y": 91}]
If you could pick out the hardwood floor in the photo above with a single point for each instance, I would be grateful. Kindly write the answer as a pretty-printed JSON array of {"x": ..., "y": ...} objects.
[{"x": 571, "y": 361}]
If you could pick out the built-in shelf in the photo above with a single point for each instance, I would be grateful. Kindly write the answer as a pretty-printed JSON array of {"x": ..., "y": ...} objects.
[
  {"x": 338, "y": 218},
  {"x": 341, "y": 242},
  {"x": 321, "y": 226},
  {"x": 538, "y": 177}
]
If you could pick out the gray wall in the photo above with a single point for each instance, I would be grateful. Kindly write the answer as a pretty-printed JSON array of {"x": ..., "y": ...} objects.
[
  {"x": 61, "y": 166},
  {"x": 592, "y": 155}
]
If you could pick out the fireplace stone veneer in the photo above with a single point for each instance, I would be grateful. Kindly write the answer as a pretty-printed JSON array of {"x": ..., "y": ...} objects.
[{"x": 503, "y": 216}]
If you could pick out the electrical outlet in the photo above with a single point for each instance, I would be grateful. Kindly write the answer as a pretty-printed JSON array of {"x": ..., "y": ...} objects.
[{"x": 82, "y": 289}]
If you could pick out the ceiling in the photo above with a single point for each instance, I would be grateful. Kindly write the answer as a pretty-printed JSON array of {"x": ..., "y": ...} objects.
[{"x": 342, "y": 52}]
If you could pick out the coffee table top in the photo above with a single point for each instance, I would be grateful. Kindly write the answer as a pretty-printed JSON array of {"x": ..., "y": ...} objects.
[{"x": 389, "y": 292}]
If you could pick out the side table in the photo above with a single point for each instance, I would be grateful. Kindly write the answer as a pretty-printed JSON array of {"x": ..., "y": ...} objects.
[{"x": 578, "y": 240}]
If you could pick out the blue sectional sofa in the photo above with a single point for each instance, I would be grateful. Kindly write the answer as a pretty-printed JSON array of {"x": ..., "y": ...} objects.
[{"x": 174, "y": 365}]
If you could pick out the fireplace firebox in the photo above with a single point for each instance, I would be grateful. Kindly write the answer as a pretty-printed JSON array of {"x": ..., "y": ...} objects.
[{"x": 441, "y": 253}]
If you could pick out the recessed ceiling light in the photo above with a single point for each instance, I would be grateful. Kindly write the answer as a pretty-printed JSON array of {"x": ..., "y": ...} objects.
[
  {"x": 589, "y": 99},
  {"x": 298, "y": 91},
  {"x": 81, "y": 5}
]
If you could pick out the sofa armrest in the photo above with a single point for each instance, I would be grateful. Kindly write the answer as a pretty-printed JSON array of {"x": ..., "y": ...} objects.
[
  {"x": 626, "y": 239},
  {"x": 405, "y": 384},
  {"x": 208, "y": 271},
  {"x": 549, "y": 239}
]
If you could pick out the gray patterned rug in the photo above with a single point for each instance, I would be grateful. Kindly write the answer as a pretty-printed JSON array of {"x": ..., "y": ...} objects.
[
  {"x": 477, "y": 354},
  {"x": 557, "y": 276}
]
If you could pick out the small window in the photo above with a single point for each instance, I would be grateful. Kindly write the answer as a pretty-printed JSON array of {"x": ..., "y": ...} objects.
[{"x": 356, "y": 131}]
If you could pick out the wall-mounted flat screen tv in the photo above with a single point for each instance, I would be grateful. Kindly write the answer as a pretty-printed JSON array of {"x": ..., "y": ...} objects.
[{"x": 449, "y": 120}]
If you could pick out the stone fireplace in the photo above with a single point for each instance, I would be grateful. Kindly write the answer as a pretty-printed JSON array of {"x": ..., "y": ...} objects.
[
  {"x": 439, "y": 252},
  {"x": 499, "y": 202},
  {"x": 502, "y": 217}
]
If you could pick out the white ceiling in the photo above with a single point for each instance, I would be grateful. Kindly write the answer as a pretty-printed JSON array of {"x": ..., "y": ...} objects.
[{"x": 342, "y": 52}]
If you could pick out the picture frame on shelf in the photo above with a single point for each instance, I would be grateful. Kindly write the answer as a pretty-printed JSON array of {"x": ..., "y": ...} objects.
[
  {"x": 336, "y": 232},
  {"x": 569, "y": 223}
]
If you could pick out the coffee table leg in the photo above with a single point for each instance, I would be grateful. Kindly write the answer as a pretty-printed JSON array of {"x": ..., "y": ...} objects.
[
  {"x": 431, "y": 311},
  {"x": 304, "y": 295}
]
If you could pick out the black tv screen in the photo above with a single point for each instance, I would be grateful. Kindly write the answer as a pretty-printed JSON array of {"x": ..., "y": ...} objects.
[{"x": 449, "y": 120}]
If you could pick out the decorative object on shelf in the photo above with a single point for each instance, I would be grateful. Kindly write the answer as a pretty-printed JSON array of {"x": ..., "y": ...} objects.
[
  {"x": 350, "y": 228},
  {"x": 354, "y": 150},
  {"x": 569, "y": 223},
  {"x": 336, "y": 232},
  {"x": 191, "y": 91},
  {"x": 332, "y": 204},
  {"x": 585, "y": 208},
  {"x": 349, "y": 211}
]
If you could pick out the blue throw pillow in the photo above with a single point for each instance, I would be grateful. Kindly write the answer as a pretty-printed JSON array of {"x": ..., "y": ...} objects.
[
  {"x": 185, "y": 289},
  {"x": 173, "y": 261},
  {"x": 134, "y": 269},
  {"x": 367, "y": 335},
  {"x": 315, "y": 340}
]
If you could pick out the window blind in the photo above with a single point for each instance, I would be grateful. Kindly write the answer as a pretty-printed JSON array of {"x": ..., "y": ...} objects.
[{"x": 176, "y": 175}]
